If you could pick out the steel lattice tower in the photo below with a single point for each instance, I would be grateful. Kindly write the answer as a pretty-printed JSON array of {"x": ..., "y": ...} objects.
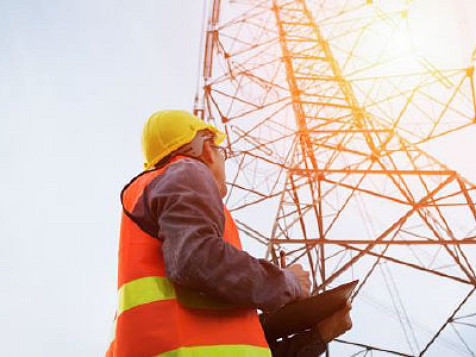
[{"x": 325, "y": 122}]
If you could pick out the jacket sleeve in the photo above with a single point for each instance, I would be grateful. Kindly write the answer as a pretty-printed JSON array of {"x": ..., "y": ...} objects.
[{"x": 190, "y": 216}]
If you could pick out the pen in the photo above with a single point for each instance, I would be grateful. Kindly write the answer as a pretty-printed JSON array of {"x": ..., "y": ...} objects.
[{"x": 282, "y": 259}]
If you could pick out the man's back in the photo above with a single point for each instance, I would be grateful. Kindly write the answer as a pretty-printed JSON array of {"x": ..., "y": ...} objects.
[{"x": 158, "y": 314}]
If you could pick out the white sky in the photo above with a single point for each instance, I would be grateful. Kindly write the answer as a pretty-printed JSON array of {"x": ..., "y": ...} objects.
[{"x": 77, "y": 81}]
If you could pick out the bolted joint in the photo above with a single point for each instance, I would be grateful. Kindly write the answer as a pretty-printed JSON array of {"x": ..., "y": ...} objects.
[
  {"x": 375, "y": 155},
  {"x": 470, "y": 71},
  {"x": 320, "y": 176}
]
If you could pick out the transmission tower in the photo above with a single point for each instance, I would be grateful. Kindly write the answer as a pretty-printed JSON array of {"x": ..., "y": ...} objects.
[{"x": 325, "y": 117}]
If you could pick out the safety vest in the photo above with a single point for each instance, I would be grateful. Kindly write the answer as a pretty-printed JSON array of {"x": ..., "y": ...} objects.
[{"x": 156, "y": 316}]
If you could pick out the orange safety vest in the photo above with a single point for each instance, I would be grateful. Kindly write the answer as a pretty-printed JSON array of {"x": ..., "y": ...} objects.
[{"x": 156, "y": 316}]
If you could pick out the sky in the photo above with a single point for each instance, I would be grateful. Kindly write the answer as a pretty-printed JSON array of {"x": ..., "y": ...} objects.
[{"x": 77, "y": 81}]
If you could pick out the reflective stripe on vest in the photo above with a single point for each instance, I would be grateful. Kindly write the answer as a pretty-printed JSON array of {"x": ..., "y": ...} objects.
[
  {"x": 157, "y": 317},
  {"x": 143, "y": 291},
  {"x": 219, "y": 351},
  {"x": 155, "y": 288}
]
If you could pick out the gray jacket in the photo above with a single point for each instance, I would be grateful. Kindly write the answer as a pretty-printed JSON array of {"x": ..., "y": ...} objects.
[{"x": 183, "y": 208}]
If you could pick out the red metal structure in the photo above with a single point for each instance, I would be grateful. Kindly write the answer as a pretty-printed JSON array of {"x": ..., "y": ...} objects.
[{"x": 325, "y": 118}]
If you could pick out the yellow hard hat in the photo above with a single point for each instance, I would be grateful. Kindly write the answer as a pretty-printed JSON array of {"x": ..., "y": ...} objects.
[{"x": 168, "y": 130}]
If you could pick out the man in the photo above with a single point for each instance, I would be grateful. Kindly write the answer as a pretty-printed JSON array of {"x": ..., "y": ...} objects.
[{"x": 185, "y": 286}]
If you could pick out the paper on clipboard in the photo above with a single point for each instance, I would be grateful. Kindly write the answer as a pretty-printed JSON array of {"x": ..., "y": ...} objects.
[{"x": 305, "y": 314}]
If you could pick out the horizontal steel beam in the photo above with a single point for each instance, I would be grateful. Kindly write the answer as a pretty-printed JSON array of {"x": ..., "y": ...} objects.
[
  {"x": 373, "y": 172},
  {"x": 367, "y": 241},
  {"x": 349, "y": 131}
]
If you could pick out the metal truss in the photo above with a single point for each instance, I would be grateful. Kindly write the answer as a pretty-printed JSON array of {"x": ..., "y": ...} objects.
[{"x": 324, "y": 119}]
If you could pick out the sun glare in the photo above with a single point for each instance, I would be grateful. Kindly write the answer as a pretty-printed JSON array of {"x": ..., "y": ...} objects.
[
  {"x": 438, "y": 33},
  {"x": 417, "y": 36}
]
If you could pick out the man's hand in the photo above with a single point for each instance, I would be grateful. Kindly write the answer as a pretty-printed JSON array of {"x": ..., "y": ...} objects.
[
  {"x": 336, "y": 324},
  {"x": 303, "y": 277}
]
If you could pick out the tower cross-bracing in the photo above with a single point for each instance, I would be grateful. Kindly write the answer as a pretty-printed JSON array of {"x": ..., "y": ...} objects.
[{"x": 325, "y": 118}]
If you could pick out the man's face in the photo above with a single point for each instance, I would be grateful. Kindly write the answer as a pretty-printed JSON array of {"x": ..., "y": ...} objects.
[{"x": 217, "y": 166}]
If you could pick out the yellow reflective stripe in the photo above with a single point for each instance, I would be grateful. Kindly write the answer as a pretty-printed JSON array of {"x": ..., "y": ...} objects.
[
  {"x": 143, "y": 291},
  {"x": 154, "y": 288},
  {"x": 219, "y": 351}
]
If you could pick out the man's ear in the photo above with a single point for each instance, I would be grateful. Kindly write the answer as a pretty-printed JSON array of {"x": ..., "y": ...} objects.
[{"x": 207, "y": 153}]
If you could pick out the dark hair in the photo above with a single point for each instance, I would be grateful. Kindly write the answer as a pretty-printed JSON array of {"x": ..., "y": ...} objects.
[{"x": 164, "y": 161}]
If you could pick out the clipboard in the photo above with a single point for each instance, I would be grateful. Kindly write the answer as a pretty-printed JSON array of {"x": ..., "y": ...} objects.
[{"x": 305, "y": 314}]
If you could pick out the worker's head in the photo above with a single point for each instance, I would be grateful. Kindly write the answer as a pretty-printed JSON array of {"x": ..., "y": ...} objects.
[{"x": 175, "y": 132}]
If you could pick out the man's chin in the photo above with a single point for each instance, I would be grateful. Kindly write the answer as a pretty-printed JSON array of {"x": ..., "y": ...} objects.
[{"x": 223, "y": 191}]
